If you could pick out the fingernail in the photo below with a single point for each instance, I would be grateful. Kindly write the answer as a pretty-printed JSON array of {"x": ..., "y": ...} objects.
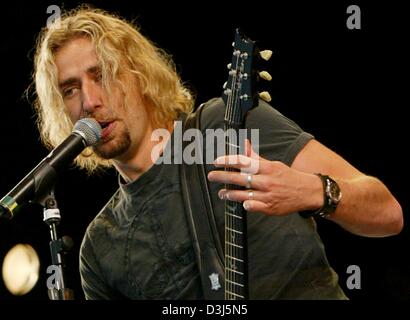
[
  {"x": 246, "y": 205},
  {"x": 221, "y": 194}
]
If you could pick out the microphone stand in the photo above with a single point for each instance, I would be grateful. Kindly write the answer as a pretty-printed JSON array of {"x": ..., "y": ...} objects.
[
  {"x": 58, "y": 246},
  {"x": 39, "y": 184}
]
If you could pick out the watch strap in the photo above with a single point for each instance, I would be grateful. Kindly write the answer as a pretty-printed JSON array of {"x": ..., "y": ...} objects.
[{"x": 329, "y": 206}]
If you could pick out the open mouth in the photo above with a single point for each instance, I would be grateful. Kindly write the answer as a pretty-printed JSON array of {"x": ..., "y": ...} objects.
[
  {"x": 104, "y": 124},
  {"x": 107, "y": 127}
]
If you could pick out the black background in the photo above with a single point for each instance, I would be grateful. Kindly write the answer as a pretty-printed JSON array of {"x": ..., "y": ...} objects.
[{"x": 347, "y": 87}]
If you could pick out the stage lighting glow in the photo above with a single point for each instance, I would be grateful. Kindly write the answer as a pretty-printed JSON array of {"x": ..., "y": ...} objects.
[{"x": 21, "y": 267}]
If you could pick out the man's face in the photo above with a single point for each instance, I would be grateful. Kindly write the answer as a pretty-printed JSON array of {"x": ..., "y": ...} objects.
[{"x": 79, "y": 77}]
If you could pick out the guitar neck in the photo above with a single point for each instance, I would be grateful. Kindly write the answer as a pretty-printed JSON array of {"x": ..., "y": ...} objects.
[
  {"x": 240, "y": 97},
  {"x": 236, "y": 270}
]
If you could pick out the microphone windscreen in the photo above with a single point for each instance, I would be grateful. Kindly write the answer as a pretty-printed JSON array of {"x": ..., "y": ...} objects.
[{"x": 89, "y": 129}]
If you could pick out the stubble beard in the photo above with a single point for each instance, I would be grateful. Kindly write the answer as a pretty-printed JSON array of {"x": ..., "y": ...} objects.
[{"x": 117, "y": 147}]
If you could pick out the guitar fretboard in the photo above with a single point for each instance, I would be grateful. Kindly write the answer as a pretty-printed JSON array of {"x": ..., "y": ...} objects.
[
  {"x": 235, "y": 237},
  {"x": 239, "y": 97}
]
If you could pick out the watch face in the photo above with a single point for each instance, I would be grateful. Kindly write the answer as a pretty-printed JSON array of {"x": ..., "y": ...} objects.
[{"x": 334, "y": 192}]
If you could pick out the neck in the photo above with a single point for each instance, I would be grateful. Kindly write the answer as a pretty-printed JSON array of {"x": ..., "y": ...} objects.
[{"x": 131, "y": 167}]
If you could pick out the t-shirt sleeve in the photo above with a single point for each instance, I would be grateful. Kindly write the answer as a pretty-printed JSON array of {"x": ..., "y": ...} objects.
[
  {"x": 273, "y": 136},
  {"x": 279, "y": 137}
]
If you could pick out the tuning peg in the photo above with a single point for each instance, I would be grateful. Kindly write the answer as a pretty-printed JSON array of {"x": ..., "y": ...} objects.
[
  {"x": 264, "y": 95},
  {"x": 265, "y": 75},
  {"x": 225, "y": 84},
  {"x": 266, "y": 54}
]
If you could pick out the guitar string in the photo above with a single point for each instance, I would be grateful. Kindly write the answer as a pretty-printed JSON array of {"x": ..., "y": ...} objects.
[
  {"x": 240, "y": 225},
  {"x": 237, "y": 204},
  {"x": 232, "y": 221},
  {"x": 227, "y": 203},
  {"x": 233, "y": 151},
  {"x": 227, "y": 253}
]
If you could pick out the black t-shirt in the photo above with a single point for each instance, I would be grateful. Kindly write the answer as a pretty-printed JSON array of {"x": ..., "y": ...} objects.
[{"x": 139, "y": 246}]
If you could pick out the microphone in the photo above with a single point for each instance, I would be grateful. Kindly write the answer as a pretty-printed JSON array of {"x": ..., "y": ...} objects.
[{"x": 86, "y": 132}]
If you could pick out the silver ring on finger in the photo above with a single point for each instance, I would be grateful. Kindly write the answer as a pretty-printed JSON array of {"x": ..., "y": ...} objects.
[
  {"x": 250, "y": 194},
  {"x": 249, "y": 181}
]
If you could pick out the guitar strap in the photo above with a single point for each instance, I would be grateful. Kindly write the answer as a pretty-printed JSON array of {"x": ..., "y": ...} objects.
[{"x": 201, "y": 219}]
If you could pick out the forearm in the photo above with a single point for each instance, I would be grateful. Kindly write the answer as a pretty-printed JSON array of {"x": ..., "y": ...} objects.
[{"x": 367, "y": 208}]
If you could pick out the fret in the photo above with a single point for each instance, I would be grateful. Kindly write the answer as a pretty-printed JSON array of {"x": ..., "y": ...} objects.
[
  {"x": 234, "y": 294},
  {"x": 233, "y": 207},
  {"x": 235, "y": 245},
  {"x": 236, "y": 238},
  {"x": 235, "y": 277},
  {"x": 235, "y": 253},
  {"x": 235, "y": 271},
  {"x": 233, "y": 230},
  {"x": 230, "y": 230},
  {"x": 233, "y": 215},
  {"x": 234, "y": 283},
  {"x": 233, "y": 145},
  {"x": 236, "y": 259}
]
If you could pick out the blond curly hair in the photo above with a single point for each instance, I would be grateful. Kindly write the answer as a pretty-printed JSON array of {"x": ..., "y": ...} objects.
[{"x": 120, "y": 49}]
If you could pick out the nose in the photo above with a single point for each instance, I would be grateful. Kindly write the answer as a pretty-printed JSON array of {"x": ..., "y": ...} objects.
[{"x": 91, "y": 96}]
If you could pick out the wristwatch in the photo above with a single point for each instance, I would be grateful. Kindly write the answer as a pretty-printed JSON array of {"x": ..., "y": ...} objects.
[{"x": 332, "y": 196}]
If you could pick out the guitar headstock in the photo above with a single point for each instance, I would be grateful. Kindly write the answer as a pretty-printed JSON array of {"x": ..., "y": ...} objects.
[{"x": 240, "y": 94}]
